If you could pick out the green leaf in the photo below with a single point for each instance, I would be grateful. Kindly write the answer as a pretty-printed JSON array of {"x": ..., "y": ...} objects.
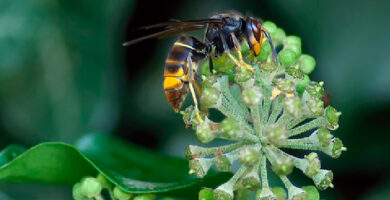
[{"x": 133, "y": 169}]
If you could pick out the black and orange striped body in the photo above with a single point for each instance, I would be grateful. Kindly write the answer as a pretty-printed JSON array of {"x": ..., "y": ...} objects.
[{"x": 177, "y": 68}]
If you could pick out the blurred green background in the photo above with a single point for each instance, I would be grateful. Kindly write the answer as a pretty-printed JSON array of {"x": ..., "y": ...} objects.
[{"x": 63, "y": 73}]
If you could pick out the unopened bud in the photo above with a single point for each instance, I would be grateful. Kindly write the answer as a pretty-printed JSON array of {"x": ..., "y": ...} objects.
[
  {"x": 222, "y": 195},
  {"x": 332, "y": 115},
  {"x": 103, "y": 181},
  {"x": 222, "y": 163},
  {"x": 268, "y": 66},
  {"x": 283, "y": 166},
  {"x": 229, "y": 128},
  {"x": 287, "y": 56},
  {"x": 295, "y": 193},
  {"x": 209, "y": 82},
  {"x": 337, "y": 148},
  {"x": 316, "y": 107},
  {"x": 210, "y": 97},
  {"x": 307, "y": 63},
  {"x": 249, "y": 156},
  {"x": 252, "y": 96},
  {"x": 200, "y": 166},
  {"x": 295, "y": 72},
  {"x": 285, "y": 85},
  {"x": 206, "y": 194},
  {"x": 324, "y": 137},
  {"x": 279, "y": 192},
  {"x": 314, "y": 165},
  {"x": 77, "y": 192},
  {"x": 301, "y": 85},
  {"x": 276, "y": 134},
  {"x": 121, "y": 195},
  {"x": 251, "y": 181},
  {"x": 204, "y": 132},
  {"x": 242, "y": 75},
  {"x": 90, "y": 187},
  {"x": 293, "y": 106},
  {"x": 315, "y": 89},
  {"x": 323, "y": 179},
  {"x": 312, "y": 192}
]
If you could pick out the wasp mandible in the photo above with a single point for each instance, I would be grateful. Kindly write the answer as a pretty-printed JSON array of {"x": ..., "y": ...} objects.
[{"x": 224, "y": 31}]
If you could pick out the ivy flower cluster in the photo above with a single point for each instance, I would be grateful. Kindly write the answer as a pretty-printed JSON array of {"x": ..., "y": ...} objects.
[{"x": 266, "y": 111}]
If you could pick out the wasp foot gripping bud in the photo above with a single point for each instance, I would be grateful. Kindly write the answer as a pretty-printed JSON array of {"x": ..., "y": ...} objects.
[{"x": 268, "y": 104}]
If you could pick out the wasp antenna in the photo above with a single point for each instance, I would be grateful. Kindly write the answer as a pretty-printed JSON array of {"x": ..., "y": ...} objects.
[{"x": 272, "y": 45}]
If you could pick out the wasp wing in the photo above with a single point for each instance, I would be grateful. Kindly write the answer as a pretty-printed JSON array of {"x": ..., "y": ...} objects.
[{"x": 173, "y": 27}]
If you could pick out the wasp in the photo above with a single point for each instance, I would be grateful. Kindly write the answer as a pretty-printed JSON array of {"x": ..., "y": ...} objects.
[{"x": 224, "y": 32}]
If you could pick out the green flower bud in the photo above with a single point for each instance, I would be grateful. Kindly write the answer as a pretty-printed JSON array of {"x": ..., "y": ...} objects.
[
  {"x": 200, "y": 166},
  {"x": 251, "y": 181},
  {"x": 337, "y": 148},
  {"x": 121, "y": 195},
  {"x": 270, "y": 27},
  {"x": 307, "y": 63},
  {"x": 295, "y": 193},
  {"x": 293, "y": 40},
  {"x": 252, "y": 96},
  {"x": 324, "y": 137},
  {"x": 265, "y": 194},
  {"x": 242, "y": 75},
  {"x": 295, "y": 72},
  {"x": 249, "y": 156},
  {"x": 145, "y": 197},
  {"x": 206, "y": 194},
  {"x": 268, "y": 66},
  {"x": 223, "y": 63},
  {"x": 312, "y": 192},
  {"x": 282, "y": 166},
  {"x": 222, "y": 195},
  {"x": 222, "y": 163},
  {"x": 204, "y": 132},
  {"x": 208, "y": 82},
  {"x": 278, "y": 36},
  {"x": 103, "y": 181},
  {"x": 285, "y": 85},
  {"x": 229, "y": 128},
  {"x": 332, "y": 115},
  {"x": 316, "y": 107},
  {"x": 313, "y": 166},
  {"x": 77, "y": 192},
  {"x": 265, "y": 51},
  {"x": 90, "y": 187},
  {"x": 210, "y": 97},
  {"x": 315, "y": 89},
  {"x": 293, "y": 106},
  {"x": 280, "y": 193},
  {"x": 323, "y": 179},
  {"x": 276, "y": 135},
  {"x": 301, "y": 85},
  {"x": 287, "y": 56}
]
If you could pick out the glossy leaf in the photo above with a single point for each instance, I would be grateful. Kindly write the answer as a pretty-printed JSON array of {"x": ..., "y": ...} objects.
[{"x": 132, "y": 168}]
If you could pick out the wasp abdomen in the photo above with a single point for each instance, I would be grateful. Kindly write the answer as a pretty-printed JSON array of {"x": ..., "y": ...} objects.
[{"x": 176, "y": 70}]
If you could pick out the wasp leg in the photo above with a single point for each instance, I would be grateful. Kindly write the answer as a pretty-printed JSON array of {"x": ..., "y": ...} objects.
[
  {"x": 239, "y": 62},
  {"x": 190, "y": 84}
]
